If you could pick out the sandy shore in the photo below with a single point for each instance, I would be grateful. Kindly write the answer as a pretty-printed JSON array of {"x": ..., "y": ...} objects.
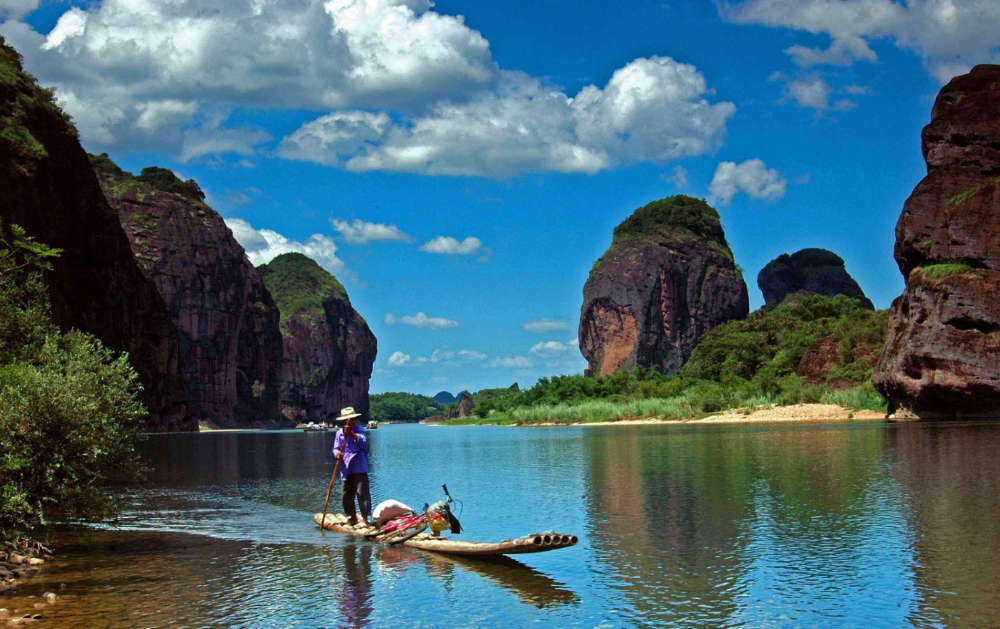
[{"x": 801, "y": 413}]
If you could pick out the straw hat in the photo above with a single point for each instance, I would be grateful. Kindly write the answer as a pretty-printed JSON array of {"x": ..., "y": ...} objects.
[{"x": 347, "y": 413}]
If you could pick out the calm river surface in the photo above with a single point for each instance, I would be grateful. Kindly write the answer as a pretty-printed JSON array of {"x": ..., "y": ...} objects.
[{"x": 861, "y": 525}]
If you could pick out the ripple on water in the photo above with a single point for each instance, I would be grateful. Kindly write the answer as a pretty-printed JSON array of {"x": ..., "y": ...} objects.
[{"x": 679, "y": 527}]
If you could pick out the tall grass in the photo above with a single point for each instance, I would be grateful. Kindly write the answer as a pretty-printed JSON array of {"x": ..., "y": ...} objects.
[
  {"x": 691, "y": 405},
  {"x": 863, "y": 398}
]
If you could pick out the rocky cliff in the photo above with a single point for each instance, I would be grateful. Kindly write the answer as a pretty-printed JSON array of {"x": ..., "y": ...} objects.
[
  {"x": 231, "y": 347},
  {"x": 48, "y": 187},
  {"x": 817, "y": 271},
  {"x": 328, "y": 349},
  {"x": 668, "y": 278},
  {"x": 942, "y": 350}
]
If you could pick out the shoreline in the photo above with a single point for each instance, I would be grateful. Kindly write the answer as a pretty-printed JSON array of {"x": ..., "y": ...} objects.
[{"x": 793, "y": 413}]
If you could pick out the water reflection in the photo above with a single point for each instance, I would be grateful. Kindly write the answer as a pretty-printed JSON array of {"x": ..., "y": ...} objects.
[
  {"x": 825, "y": 526},
  {"x": 741, "y": 526},
  {"x": 949, "y": 474},
  {"x": 353, "y": 578},
  {"x": 531, "y": 586}
]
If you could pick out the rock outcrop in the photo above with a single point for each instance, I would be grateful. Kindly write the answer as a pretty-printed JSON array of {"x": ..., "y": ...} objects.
[
  {"x": 464, "y": 405},
  {"x": 668, "y": 278},
  {"x": 942, "y": 350},
  {"x": 328, "y": 349},
  {"x": 231, "y": 347},
  {"x": 816, "y": 271},
  {"x": 48, "y": 187}
]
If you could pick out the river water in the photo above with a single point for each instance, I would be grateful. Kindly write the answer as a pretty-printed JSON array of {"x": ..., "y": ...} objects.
[{"x": 855, "y": 525}]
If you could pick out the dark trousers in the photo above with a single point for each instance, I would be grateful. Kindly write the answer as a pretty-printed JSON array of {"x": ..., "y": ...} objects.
[{"x": 356, "y": 484}]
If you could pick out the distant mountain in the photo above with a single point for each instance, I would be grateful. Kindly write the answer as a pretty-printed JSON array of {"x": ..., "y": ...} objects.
[{"x": 445, "y": 398}]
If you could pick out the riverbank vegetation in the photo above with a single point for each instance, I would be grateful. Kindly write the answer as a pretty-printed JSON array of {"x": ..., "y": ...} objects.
[
  {"x": 745, "y": 364},
  {"x": 403, "y": 407},
  {"x": 69, "y": 407}
]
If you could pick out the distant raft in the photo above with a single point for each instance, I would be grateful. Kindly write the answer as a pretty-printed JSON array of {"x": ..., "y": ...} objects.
[{"x": 534, "y": 543}]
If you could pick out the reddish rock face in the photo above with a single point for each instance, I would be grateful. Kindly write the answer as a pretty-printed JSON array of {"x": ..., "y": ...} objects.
[
  {"x": 231, "y": 348},
  {"x": 329, "y": 351},
  {"x": 327, "y": 365},
  {"x": 668, "y": 278},
  {"x": 96, "y": 286},
  {"x": 819, "y": 358},
  {"x": 942, "y": 352},
  {"x": 465, "y": 404}
]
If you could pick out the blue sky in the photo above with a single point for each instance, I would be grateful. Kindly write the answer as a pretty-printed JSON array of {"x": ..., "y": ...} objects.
[{"x": 472, "y": 169}]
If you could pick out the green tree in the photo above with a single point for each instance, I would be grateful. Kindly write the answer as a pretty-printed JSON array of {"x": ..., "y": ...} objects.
[{"x": 69, "y": 407}]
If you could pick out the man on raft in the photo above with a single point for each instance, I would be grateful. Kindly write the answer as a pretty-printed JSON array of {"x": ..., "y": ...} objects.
[{"x": 351, "y": 444}]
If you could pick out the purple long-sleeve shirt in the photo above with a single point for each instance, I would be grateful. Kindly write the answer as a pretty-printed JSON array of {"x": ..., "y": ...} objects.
[{"x": 355, "y": 452}]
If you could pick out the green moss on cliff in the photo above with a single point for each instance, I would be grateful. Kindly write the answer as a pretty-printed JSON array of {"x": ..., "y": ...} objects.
[
  {"x": 679, "y": 218},
  {"x": 941, "y": 271},
  {"x": 144, "y": 220},
  {"x": 674, "y": 220},
  {"x": 117, "y": 182},
  {"x": 299, "y": 286},
  {"x": 21, "y": 100}
]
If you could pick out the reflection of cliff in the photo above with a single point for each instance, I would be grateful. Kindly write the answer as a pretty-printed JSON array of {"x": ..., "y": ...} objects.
[
  {"x": 708, "y": 525},
  {"x": 950, "y": 477},
  {"x": 667, "y": 522}
]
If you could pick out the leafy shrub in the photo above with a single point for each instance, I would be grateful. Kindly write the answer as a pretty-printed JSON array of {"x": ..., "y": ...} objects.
[
  {"x": 69, "y": 408},
  {"x": 116, "y": 181},
  {"x": 775, "y": 340},
  {"x": 165, "y": 180}
]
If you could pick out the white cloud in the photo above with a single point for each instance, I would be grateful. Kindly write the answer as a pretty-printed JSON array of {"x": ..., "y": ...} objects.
[
  {"x": 211, "y": 138},
  {"x": 469, "y": 354},
  {"x": 512, "y": 362},
  {"x": 814, "y": 93},
  {"x": 440, "y": 356},
  {"x": 398, "y": 359},
  {"x": 359, "y": 232},
  {"x": 550, "y": 348},
  {"x": 159, "y": 66},
  {"x": 440, "y": 379},
  {"x": 154, "y": 115},
  {"x": 858, "y": 90},
  {"x": 388, "y": 373},
  {"x": 678, "y": 176},
  {"x": 312, "y": 54},
  {"x": 543, "y": 325},
  {"x": 14, "y": 9},
  {"x": 245, "y": 163},
  {"x": 843, "y": 52},
  {"x": 262, "y": 245},
  {"x": 950, "y": 35},
  {"x": 451, "y": 246},
  {"x": 390, "y": 319},
  {"x": 653, "y": 109},
  {"x": 752, "y": 177},
  {"x": 420, "y": 320}
]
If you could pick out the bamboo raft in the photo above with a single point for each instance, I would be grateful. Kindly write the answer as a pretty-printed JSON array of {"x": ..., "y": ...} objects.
[{"x": 534, "y": 543}]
